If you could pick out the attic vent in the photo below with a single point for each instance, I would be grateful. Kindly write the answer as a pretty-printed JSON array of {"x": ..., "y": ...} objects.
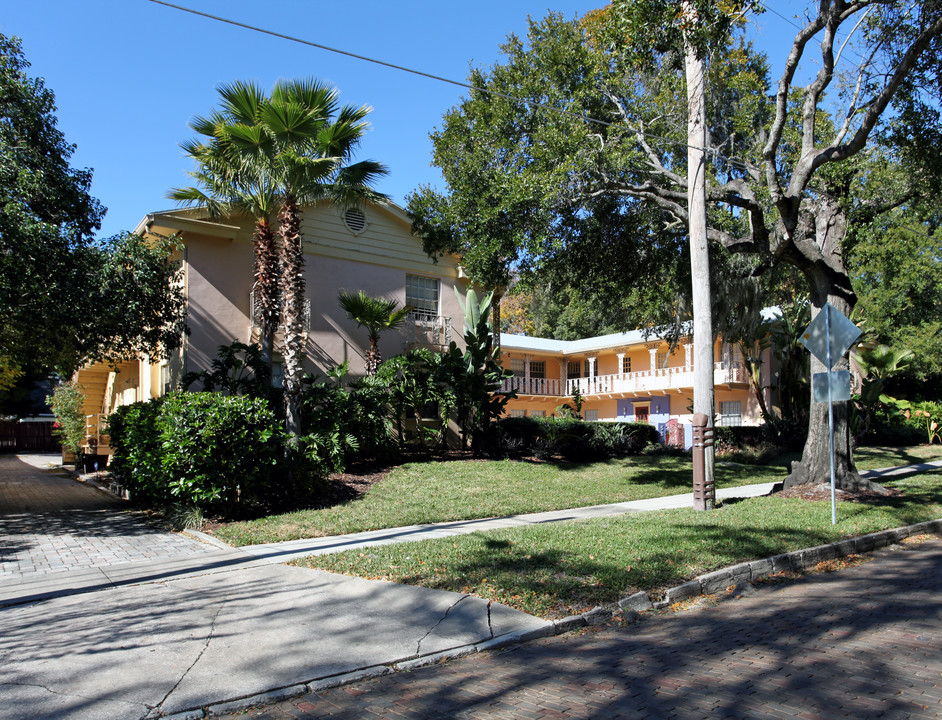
[{"x": 355, "y": 220}]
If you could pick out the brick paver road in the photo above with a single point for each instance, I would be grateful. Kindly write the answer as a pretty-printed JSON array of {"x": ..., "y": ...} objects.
[
  {"x": 51, "y": 523},
  {"x": 865, "y": 642}
]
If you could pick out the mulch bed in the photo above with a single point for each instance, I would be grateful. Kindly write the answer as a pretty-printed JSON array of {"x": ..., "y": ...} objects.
[{"x": 823, "y": 492}]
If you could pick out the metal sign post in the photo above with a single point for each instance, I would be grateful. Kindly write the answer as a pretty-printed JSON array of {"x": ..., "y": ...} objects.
[
  {"x": 827, "y": 330},
  {"x": 828, "y": 337}
]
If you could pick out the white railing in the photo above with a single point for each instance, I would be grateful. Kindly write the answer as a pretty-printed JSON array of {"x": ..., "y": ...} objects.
[
  {"x": 423, "y": 329},
  {"x": 534, "y": 386},
  {"x": 661, "y": 379}
]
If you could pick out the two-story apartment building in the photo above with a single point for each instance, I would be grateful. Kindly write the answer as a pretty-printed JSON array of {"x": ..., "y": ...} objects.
[
  {"x": 627, "y": 377},
  {"x": 370, "y": 247}
]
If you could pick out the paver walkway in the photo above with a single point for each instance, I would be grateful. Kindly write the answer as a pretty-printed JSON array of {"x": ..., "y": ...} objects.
[
  {"x": 50, "y": 523},
  {"x": 861, "y": 643}
]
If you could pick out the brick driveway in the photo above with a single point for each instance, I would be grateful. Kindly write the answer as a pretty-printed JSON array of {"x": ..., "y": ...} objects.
[
  {"x": 51, "y": 523},
  {"x": 865, "y": 642}
]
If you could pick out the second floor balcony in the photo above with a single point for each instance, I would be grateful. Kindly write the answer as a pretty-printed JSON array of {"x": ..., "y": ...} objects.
[
  {"x": 426, "y": 330},
  {"x": 645, "y": 381}
]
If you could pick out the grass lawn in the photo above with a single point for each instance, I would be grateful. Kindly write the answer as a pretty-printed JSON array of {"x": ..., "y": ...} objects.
[
  {"x": 465, "y": 489},
  {"x": 429, "y": 492},
  {"x": 558, "y": 569}
]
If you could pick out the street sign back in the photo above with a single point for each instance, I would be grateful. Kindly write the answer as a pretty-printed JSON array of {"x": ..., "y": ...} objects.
[
  {"x": 843, "y": 333},
  {"x": 840, "y": 386}
]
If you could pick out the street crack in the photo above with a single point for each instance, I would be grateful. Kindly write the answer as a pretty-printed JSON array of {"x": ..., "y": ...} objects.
[
  {"x": 70, "y": 695},
  {"x": 418, "y": 647},
  {"x": 209, "y": 638}
]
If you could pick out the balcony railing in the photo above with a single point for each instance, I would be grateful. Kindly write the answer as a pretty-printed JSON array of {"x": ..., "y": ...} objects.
[
  {"x": 661, "y": 379},
  {"x": 421, "y": 329},
  {"x": 535, "y": 386}
]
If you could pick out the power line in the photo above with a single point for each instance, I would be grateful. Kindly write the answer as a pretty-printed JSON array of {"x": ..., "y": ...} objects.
[
  {"x": 420, "y": 73},
  {"x": 430, "y": 76}
]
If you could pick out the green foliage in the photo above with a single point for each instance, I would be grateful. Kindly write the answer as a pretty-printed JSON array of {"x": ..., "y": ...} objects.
[
  {"x": 896, "y": 269},
  {"x": 67, "y": 402},
  {"x": 877, "y": 364},
  {"x": 549, "y": 195},
  {"x": 237, "y": 369},
  {"x": 63, "y": 298},
  {"x": 421, "y": 397},
  {"x": 793, "y": 381},
  {"x": 926, "y": 417},
  {"x": 376, "y": 315},
  {"x": 476, "y": 375},
  {"x": 574, "y": 410},
  {"x": 265, "y": 151},
  {"x": 137, "y": 298},
  {"x": 344, "y": 424},
  {"x": 571, "y": 439},
  {"x": 207, "y": 450}
]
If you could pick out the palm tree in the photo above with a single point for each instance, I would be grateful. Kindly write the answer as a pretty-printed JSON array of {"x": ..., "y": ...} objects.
[
  {"x": 376, "y": 315},
  {"x": 313, "y": 141},
  {"x": 233, "y": 177},
  {"x": 281, "y": 151}
]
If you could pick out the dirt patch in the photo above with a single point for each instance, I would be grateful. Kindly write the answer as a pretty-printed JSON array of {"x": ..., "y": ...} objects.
[{"x": 823, "y": 492}]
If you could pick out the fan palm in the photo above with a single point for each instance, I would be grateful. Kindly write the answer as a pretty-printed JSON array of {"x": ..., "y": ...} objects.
[
  {"x": 313, "y": 141},
  {"x": 232, "y": 178},
  {"x": 376, "y": 315},
  {"x": 282, "y": 150}
]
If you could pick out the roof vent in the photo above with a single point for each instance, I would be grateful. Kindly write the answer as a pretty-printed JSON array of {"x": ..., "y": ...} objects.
[{"x": 355, "y": 220}]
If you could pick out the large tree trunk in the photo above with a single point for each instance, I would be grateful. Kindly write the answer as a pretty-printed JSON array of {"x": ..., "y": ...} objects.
[
  {"x": 703, "y": 391},
  {"x": 267, "y": 271},
  {"x": 293, "y": 286},
  {"x": 829, "y": 283}
]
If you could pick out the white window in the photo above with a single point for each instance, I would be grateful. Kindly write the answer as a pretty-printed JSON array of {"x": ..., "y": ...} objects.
[
  {"x": 731, "y": 413},
  {"x": 538, "y": 369},
  {"x": 662, "y": 359},
  {"x": 588, "y": 370},
  {"x": 626, "y": 364},
  {"x": 574, "y": 369},
  {"x": 518, "y": 412},
  {"x": 422, "y": 295},
  {"x": 591, "y": 415},
  {"x": 538, "y": 413},
  {"x": 517, "y": 367}
]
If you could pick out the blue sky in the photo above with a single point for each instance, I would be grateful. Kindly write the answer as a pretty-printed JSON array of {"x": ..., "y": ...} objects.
[{"x": 128, "y": 76}]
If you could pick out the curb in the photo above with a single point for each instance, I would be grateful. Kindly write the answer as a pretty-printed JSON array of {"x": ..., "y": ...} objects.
[
  {"x": 753, "y": 570},
  {"x": 632, "y": 606}
]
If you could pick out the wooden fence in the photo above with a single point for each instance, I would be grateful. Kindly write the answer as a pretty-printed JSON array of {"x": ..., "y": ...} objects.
[{"x": 27, "y": 437}]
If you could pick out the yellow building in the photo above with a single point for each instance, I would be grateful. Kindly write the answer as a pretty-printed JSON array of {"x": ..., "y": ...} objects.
[
  {"x": 370, "y": 248},
  {"x": 625, "y": 377}
]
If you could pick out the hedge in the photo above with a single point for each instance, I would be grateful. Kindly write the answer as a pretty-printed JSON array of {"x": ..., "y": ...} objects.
[
  {"x": 205, "y": 449},
  {"x": 573, "y": 440}
]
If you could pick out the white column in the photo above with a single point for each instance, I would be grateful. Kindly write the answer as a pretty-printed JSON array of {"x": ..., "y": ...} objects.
[
  {"x": 688, "y": 355},
  {"x": 652, "y": 351},
  {"x": 621, "y": 366}
]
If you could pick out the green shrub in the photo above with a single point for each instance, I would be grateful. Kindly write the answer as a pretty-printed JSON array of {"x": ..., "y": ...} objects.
[
  {"x": 67, "y": 402},
  {"x": 136, "y": 451},
  {"x": 342, "y": 424},
  {"x": 201, "y": 449},
  {"x": 573, "y": 440}
]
